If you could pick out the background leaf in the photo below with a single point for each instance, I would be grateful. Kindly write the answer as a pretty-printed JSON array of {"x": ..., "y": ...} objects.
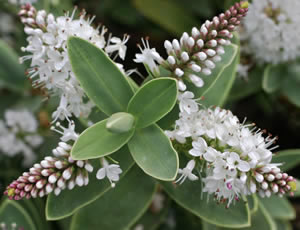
[
  {"x": 273, "y": 77},
  {"x": 167, "y": 14},
  {"x": 152, "y": 101},
  {"x": 152, "y": 150},
  {"x": 289, "y": 158},
  {"x": 278, "y": 207},
  {"x": 96, "y": 141},
  {"x": 100, "y": 78},
  {"x": 12, "y": 212},
  {"x": 12, "y": 73},
  {"x": 189, "y": 197},
  {"x": 69, "y": 201},
  {"x": 120, "y": 207}
]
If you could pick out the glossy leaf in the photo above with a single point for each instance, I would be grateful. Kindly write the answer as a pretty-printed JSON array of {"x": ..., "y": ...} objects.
[
  {"x": 70, "y": 201},
  {"x": 259, "y": 220},
  {"x": 245, "y": 87},
  {"x": 168, "y": 14},
  {"x": 279, "y": 207},
  {"x": 12, "y": 212},
  {"x": 153, "y": 101},
  {"x": 97, "y": 141},
  {"x": 211, "y": 81},
  {"x": 289, "y": 158},
  {"x": 100, "y": 78},
  {"x": 12, "y": 73},
  {"x": 218, "y": 94},
  {"x": 290, "y": 87},
  {"x": 152, "y": 150},
  {"x": 188, "y": 195},
  {"x": 283, "y": 225},
  {"x": 273, "y": 77},
  {"x": 253, "y": 203},
  {"x": 120, "y": 207}
]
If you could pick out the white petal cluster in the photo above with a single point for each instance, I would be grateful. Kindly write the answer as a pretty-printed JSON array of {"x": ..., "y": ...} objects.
[
  {"x": 109, "y": 171},
  {"x": 236, "y": 158},
  {"x": 272, "y": 27},
  {"x": 18, "y": 134},
  {"x": 50, "y": 65}
]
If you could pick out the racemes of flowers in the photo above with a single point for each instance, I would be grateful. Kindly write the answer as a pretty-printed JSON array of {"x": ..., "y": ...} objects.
[
  {"x": 12, "y": 226},
  {"x": 272, "y": 29},
  {"x": 19, "y": 134},
  {"x": 197, "y": 52},
  {"x": 58, "y": 172},
  {"x": 235, "y": 158},
  {"x": 50, "y": 65}
]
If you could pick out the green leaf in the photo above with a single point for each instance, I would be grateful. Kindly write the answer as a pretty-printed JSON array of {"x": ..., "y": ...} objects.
[
  {"x": 12, "y": 212},
  {"x": 168, "y": 121},
  {"x": 167, "y": 14},
  {"x": 96, "y": 141},
  {"x": 69, "y": 201},
  {"x": 273, "y": 77},
  {"x": 120, "y": 207},
  {"x": 290, "y": 87},
  {"x": 259, "y": 220},
  {"x": 218, "y": 94},
  {"x": 279, "y": 207},
  {"x": 100, "y": 78},
  {"x": 152, "y": 150},
  {"x": 290, "y": 158},
  {"x": 153, "y": 101},
  {"x": 243, "y": 88},
  {"x": 283, "y": 225},
  {"x": 188, "y": 195},
  {"x": 211, "y": 81},
  {"x": 253, "y": 203},
  {"x": 12, "y": 73}
]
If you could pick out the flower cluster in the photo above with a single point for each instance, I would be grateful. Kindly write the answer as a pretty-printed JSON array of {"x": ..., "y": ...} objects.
[
  {"x": 21, "y": 2},
  {"x": 272, "y": 27},
  {"x": 53, "y": 174},
  {"x": 50, "y": 65},
  {"x": 196, "y": 53},
  {"x": 13, "y": 226},
  {"x": 18, "y": 134},
  {"x": 235, "y": 159}
]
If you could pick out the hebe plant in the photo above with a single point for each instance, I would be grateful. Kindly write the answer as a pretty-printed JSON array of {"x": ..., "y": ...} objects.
[{"x": 167, "y": 135}]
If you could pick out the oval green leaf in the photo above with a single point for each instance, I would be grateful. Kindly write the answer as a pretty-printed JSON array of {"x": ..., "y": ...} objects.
[
  {"x": 176, "y": 20},
  {"x": 188, "y": 195},
  {"x": 279, "y": 207},
  {"x": 120, "y": 207},
  {"x": 12, "y": 212},
  {"x": 152, "y": 150},
  {"x": 273, "y": 77},
  {"x": 153, "y": 101},
  {"x": 70, "y": 201},
  {"x": 100, "y": 78},
  {"x": 12, "y": 73},
  {"x": 289, "y": 158},
  {"x": 211, "y": 81},
  {"x": 96, "y": 141}
]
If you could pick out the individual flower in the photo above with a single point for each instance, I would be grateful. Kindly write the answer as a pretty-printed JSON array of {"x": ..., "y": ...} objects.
[
  {"x": 109, "y": 171},
  {"x": 187, "y": 172},
  {"x": 234, "y": 157},
  {"x": 50, "y": 67},
  {"x": 19, "y": 134},
  {"x": 272, "y": 28},
  {"x": 197, "y": 52},
  {"x": 149, "y": 56},
  {"x": 52, "y": 174}
]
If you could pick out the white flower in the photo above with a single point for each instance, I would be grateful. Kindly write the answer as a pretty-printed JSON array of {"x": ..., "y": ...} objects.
[
  {"x": 272, "y": 27},
  {"x": 187, "y": 172},
  {"x": 119, "y": 45},
  {"x": 186, "y": 102},
  {"x": 199, "y": 147},
  {"x": 110, "y": 171},
  {"x": 234, "y": 161},
  {"x": 149, "y": 57},
  {"x": 67, "y": 133}
]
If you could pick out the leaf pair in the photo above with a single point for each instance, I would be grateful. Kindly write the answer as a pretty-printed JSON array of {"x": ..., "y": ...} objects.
[{"x": 132, "y": 118}]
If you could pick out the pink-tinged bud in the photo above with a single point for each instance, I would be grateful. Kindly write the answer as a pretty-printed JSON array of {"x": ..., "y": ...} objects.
[
  {"x": 282, "y": 183},
  {"x": 57, "y": 191},
  {"x": 176, "y": 45},
  {"x": 259, "y": 178},
  {"x": 200, "y": 43},
  {"x": 290, "y": 178},
  {"x": 284, "y": 176},
  {"x": 40, "y": 184},
  {"x": 264, "y": 185},
  {"x": 204, "y": 30},
  {"x": 278, "y": 176},
  {"x": 53, "y": 178},
  {"x": 184, "y": 56},
  {"x": 67, "y": 173},
  {"x": 171, "y": 60},
  {"x": 179, "y": 72},
  {"x": 227, "y": 14},
  {"x": 191, "y": 42},
  {"x": 196, "y": 68},
  {"x": 268, "y": 193},
  {"x": 49, "y": 188},
  {"x": 201, "y": 56},
  {"x": 275, "y": 188},
  {"x": 271, "y": 177},
  {"x": 206, "y": 71},
  {"x": 80, "y": 164},
  {"x": 61, "y": 183},
  {"x": 229, "y": 186},
  {"x": 168, "y": 45},
  {"x": 212, "y": 43},
  {"x": 195, "y": 32}
]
